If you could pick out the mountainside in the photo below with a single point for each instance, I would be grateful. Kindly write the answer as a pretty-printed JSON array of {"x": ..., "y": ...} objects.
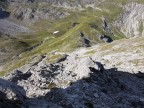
[
  {"x": 71, "y": 53},
  {"x": 80, "y": 79}
]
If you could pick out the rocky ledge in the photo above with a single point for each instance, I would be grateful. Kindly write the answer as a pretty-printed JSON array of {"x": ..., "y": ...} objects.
[{"x": 72, "y": 82}]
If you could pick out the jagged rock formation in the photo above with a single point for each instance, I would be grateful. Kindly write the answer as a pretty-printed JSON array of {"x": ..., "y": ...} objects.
[
  {"x": 77, "y": 82},
  {"x": 132, "y": 20}
]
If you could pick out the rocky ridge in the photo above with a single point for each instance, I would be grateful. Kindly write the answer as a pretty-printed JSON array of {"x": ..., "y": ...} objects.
[
  {"x": 47, "y": 87},
  {"x": 79, "y": 80}
]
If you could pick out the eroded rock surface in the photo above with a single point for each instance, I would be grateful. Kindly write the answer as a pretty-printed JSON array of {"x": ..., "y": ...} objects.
[
  {"x": 132, "y": 20},
  {"x": 76, "y": 83}
]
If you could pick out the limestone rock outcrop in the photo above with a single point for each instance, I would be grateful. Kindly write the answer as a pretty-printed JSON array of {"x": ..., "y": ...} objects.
[
  {"x": 75, "y": 82},
  {"x": 131, "y": 22}
]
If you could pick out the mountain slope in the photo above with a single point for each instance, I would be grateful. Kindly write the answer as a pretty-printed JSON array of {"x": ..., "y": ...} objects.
[
  {"x": 71, "y": 54},
  {"x": 80, "y": 79},
  {"x": 89, "y": 25},
  {"x": 83, "y": 28}
]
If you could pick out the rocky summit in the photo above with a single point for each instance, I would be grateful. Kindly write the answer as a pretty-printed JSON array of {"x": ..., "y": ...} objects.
[{"x": 71, "y": 54}]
